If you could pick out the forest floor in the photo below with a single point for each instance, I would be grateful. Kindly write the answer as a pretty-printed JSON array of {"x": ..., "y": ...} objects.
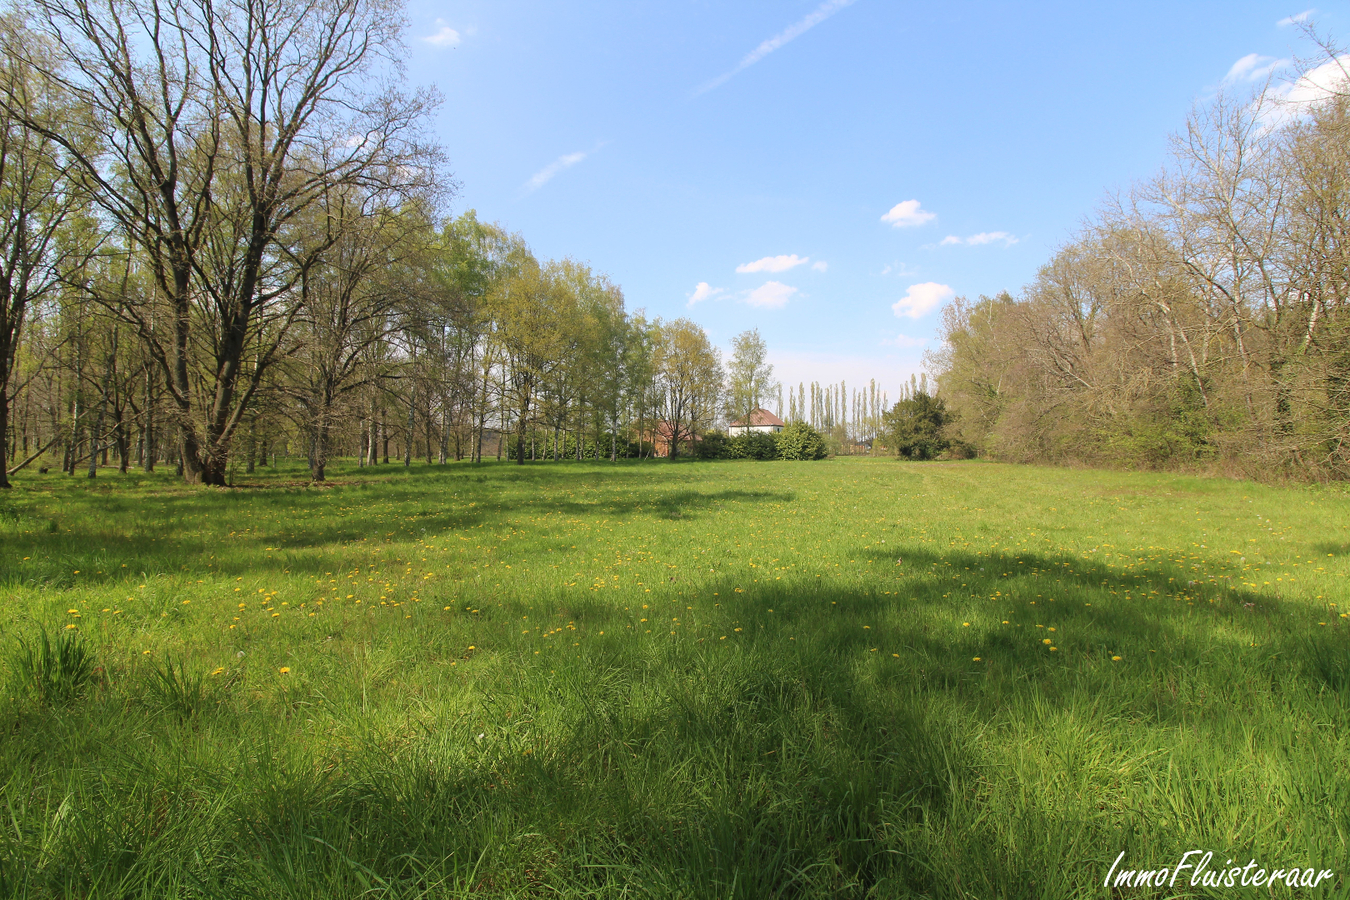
[{"x": 851, "y": 678}]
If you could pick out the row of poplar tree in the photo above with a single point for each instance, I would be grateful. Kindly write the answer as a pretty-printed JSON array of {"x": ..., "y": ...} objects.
[{"x": 1201, "y": 318}]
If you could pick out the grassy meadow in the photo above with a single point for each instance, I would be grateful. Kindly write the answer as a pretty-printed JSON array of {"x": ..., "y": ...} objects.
[{"x": 852, "y": 678}]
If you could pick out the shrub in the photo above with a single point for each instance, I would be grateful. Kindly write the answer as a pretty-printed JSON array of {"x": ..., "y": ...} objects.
[
  {"x": 916, "y": 427},
  {"x": 800, "y": 441},
  {"x": 51, "y": 671},
  {"x": 713, "y": 446},
  {"x": 754, "y": 445}
]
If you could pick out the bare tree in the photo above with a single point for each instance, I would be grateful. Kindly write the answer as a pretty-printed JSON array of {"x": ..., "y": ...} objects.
[{"x": 215, "y": 125}]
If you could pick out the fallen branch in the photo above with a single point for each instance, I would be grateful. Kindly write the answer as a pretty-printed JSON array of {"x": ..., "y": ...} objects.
[{"x": 21, "y": 465}]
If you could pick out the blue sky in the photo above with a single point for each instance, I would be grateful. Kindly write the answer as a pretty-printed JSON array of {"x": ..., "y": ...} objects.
[{"x": 828, "y": 172}]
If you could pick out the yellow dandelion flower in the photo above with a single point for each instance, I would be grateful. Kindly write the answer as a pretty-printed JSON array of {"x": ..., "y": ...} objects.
[
  {"x": 975, "y": 659},
  {"x": 285, "y": 670},
  {"x": 1045, "y": 640},
  {"x": 1115, "y": 659}
]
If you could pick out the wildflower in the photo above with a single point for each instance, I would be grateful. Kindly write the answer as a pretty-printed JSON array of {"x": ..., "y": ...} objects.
[
  {"x": 1045, "y": 640},
  {"x": 285, "y": 670},
  {"x": 1115, "y": 659},
  {"x": 975, "y": 659}
]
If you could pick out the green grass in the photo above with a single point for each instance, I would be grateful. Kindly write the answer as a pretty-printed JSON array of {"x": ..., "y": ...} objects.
[{"x": 854, "y": 678}]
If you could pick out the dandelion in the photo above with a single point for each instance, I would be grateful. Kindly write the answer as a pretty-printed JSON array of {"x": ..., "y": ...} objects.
[
  {"x": 1115, "y": 659},
  {"x": 975, "y": 659},
  {"x": 285, "y": 670},
  {"x": 1045, "y": 640}
]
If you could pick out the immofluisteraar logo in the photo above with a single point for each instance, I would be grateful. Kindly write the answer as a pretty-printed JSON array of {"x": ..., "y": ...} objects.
[{"x": 1199, "y": 873}]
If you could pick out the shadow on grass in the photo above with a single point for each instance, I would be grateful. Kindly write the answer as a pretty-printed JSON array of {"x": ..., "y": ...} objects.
[
  {"x": 793, "y": 739},
  {"x": 176, "y": 527}
]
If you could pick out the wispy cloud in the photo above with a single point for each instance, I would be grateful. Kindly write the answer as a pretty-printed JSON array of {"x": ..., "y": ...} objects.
[
  {"x": 797, "y": 29},
  {"x": 904, "y": 341},
  {"x": 921, "y": 299},
  {"x": 1253, "y": 67},
  {"x": 773, "y": 264},
  {"x": 820, "y": 265},
  {"x": 444, "y": 37},
  {"x": 542, "y": 177},
  {"x": 1290, "y": 100},
  {"x": 704, "y": 291},
  {"x": 898, "y": 268},
  {"x": 1298, "y": 19},
  {"x": 770, "y": 295},
  {"x": 984, "y": 237},
  {"x": 908, "y": 213}
]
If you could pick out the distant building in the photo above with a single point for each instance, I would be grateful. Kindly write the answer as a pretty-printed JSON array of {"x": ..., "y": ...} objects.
[
  {"x": 760, "y": 420},
  {"x": 660, "y": 438}
]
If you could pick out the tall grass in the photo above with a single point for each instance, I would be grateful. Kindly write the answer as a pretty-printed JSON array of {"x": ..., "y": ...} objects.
[{"x": 736, "y": 680}]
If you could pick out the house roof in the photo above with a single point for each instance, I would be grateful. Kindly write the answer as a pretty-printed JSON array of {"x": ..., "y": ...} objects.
[{"x": 759, "y": 416}]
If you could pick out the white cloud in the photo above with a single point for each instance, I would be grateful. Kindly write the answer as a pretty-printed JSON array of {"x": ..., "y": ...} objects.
[
  {"x": 773, "y": 264},
  {"x": 990, "y": 237},
  {"x": 907, "y": 213},
  {"x": 921, "y": 299},
  {"x": 797, "y": 29},
  {"x": 905, "y": 342},
  {"x": 445, "y": 37},
  {"x": 1289, "y": 101},
  {"x": 1326, "y": 80},
  {"x": 984, "y": 237},
  {"x": 820, "y": 265},
  {"x": 540, "y": 178},
  {"x": 770, "y": 295},
  {"x": 1253, "y": 67},
  {"x": 703, "y": 291},
  {"x": 1298, "y": 19}
]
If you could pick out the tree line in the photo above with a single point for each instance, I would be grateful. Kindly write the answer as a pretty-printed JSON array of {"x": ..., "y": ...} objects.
[
  {"x": 221, "y": 234},
  {"x": 1202, "y": 317}
]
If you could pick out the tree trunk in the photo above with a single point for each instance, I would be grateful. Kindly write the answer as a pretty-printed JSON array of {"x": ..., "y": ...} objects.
[{"x": 4, "y": 429}]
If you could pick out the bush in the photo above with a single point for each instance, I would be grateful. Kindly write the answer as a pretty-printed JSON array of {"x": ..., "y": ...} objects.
[
  {"x": 754, "y": 445},
  {"x": 713, "y": 446},
  {"x": 916, "y": 427},
  {"x": 800, "y": 441}
]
